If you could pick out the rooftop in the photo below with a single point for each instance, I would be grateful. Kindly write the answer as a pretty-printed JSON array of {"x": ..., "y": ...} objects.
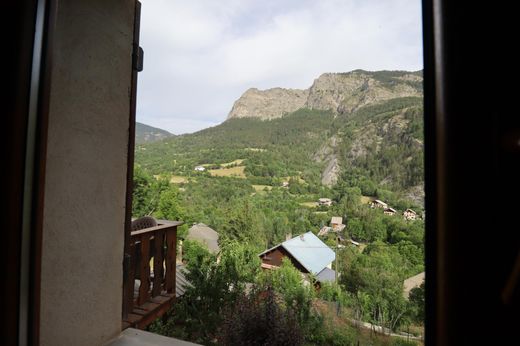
[
  {"x": 326, "y": 275},
  {"x": 313, "y": 254},
  {"x": 336, "y": 220},
  {"x": 412, "y": 282},
  {"x": 204, "y": 235}
]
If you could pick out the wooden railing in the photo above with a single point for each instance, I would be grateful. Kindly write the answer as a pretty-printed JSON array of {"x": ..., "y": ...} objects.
[{"x": 159, "y": 243}]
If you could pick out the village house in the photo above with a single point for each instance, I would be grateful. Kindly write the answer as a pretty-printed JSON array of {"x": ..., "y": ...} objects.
[
  {"x": 285, "y": 184},
  {"x": 200, "y": 168},
  {"x": 325, "y": 202},
  {"x": 409, "y": 214},
  {"x": 306, "y": 252},
  {"x": 389, "y": 211},
  {"x": 379, "y": 204},
  {"x": 324, "y": 230},
  {"x": 337, "y": 224}
]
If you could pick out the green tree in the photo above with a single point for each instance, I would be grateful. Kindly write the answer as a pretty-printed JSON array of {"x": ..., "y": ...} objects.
[
  {"x": 143, "y": 201},
  {"x": 417, "y": 304},
  {"x": 169, "y": 206},
  {"x": 214, "y": 285},
  {"x": 376, "y": 279},
  {"x": 289, "y": 282},
  {"x": 243, "y": 224}
]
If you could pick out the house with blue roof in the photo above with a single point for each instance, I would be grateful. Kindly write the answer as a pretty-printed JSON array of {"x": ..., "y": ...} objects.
[{"x": 307, "y": 253}]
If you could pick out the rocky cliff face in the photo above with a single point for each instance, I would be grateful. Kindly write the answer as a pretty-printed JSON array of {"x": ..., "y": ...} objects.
[
  {"x": 345, "y": 92},
  {"x": 338, "y": 92},
  {"x": 268, "y": 104}
]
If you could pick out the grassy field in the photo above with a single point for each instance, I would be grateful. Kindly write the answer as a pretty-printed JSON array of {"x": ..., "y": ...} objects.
[
  {"x": 366, "y": 199},
  {"x": 309, "y": 204},
  {"x": 259, "y": 188},
  {"x": 236, "y": 162},
  {"x": 178, "y": 179},
  {"x": 225, "y": 164},
  {"x": 300, "y": 180},
  {"x": 237, "y": 172}
]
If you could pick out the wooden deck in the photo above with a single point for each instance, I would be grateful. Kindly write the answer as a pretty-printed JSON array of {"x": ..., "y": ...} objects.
[
  {"x": 144, "y": 314},
  {"x": 150, "y": 292}
]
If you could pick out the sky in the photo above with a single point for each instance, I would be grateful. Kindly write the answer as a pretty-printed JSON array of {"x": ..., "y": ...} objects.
[{"x": 201, "y": 55}]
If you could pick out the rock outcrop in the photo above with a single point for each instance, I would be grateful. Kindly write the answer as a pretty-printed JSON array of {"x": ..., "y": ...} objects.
[
  {"x": 268, "y": 104},
  {"x": 337, "y": 92}
]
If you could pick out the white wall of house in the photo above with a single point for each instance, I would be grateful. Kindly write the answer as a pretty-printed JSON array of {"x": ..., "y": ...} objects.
[{"x": 84, "y": 206}]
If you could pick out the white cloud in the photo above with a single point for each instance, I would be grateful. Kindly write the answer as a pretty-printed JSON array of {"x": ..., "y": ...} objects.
[{"x": 201, "y": 55}]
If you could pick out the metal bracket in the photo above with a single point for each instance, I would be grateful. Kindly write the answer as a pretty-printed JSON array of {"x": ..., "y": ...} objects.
[{"x": 137, "y": 58}]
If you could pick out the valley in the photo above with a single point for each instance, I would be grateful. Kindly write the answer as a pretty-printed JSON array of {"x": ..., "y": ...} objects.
[{"x": 258, "y": 177}]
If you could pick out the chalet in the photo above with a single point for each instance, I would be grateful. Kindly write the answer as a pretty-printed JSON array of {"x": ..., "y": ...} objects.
[
  {"x": 200, "y": 168},
  {"x": 379, "y": 204},
  {"x": 337, "y": 224},
  {"x": 389, "y": 211},
  {"x": 205, "y": 236},
  {"x": 409, "y": 214},
  {"x": 285, "y": 184},
  {"x": 325, "y": 202},
  {"x": 307, "y": 253},
  {"x": 324, "y": 230}
]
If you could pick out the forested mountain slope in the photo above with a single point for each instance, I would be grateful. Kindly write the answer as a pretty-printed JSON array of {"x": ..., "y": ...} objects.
[
  {"x": 256, "y": 178},
  {"x": 366, "y": 138}
]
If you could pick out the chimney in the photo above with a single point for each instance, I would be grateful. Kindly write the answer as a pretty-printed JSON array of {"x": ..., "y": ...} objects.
[
  {"x": 302, "y": 236},
  {"x": 288, "y": 236},
  {"x": 179, "y": 252}
]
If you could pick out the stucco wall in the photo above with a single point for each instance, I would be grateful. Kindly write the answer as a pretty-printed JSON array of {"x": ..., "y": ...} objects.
[{"x": 84, "y": 208}]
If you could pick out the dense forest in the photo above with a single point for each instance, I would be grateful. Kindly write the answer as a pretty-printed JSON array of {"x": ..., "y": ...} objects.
[{"x": 260, "y": 181}]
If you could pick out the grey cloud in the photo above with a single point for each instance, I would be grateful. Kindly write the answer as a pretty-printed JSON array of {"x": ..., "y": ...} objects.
[{"x": 201, "y": 55}]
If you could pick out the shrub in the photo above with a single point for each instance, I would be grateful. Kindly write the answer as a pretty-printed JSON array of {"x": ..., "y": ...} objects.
[{"x": 260, "y": 320}]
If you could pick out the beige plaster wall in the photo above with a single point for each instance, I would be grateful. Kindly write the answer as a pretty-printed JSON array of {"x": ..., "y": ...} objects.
[{"x": 81, "y": 287}]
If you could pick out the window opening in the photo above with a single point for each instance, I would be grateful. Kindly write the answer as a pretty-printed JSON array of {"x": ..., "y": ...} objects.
[{"x": 294, "y": 128}]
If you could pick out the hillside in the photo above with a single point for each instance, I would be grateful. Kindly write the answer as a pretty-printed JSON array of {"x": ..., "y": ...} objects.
[
  {"x": 370, "y": 137},
  {"x": 145, "y": 133},
  {"x": 257, "y": 178}
]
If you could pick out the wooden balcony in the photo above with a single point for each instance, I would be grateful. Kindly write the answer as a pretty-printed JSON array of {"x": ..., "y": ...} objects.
[{"x": 149, "y": 292}]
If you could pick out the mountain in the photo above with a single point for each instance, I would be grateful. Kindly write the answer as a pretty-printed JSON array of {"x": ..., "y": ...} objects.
[
  {"x": 351, "y": 137},
  {"x": 338, "y": 92},
  {"x": 358, "y": 129},
  {"x": 145, "y": 133},
  {"x": 268, "y": 104}
]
